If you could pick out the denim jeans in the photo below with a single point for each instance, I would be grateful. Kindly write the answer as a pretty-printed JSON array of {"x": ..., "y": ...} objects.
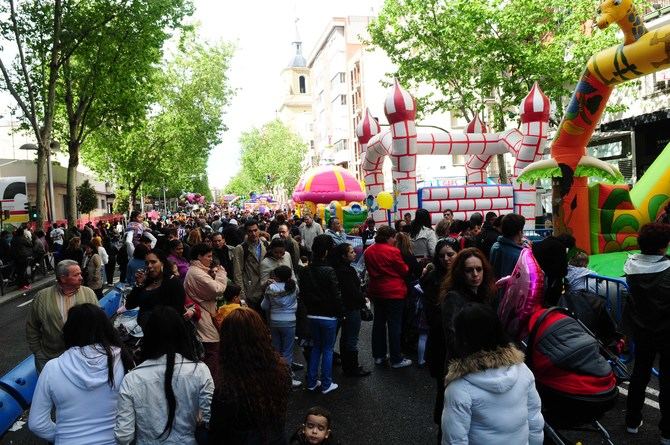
[
  {"x": 323, "y": 339},
  {"x": 387, "y": 312},
  {"x": 283, "y": 340},
  {"x": 351, "y": 326}
]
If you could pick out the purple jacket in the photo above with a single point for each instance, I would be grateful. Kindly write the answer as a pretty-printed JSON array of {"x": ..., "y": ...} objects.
[{"x": 182, "y": 265}]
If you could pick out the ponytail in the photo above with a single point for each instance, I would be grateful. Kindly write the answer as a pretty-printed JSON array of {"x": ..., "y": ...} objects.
[
  {"x": 290, "y": 285},
  {"x": 169, "y": 393}
]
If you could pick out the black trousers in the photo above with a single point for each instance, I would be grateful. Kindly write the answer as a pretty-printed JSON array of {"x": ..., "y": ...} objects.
[{"x": 647, "y": 347}]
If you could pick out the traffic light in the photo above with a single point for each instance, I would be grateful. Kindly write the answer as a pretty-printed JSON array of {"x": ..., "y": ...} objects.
[
  {"x": 32, "y": 213},
  {"x": 6, "y": 215}
]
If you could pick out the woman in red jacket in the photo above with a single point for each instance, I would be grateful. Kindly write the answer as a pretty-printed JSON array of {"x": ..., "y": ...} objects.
[{"x": 387, "y": 290}]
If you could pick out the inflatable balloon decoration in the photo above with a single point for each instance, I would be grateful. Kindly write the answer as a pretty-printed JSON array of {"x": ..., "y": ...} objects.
[{"x": 523, "y": 295}]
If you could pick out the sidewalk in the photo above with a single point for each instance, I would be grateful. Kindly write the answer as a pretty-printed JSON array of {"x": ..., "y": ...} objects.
[{"x": 39, "y": 284}]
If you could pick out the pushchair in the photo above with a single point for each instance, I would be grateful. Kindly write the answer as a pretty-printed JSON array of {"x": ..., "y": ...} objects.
[{"x": 576, "y": 375}]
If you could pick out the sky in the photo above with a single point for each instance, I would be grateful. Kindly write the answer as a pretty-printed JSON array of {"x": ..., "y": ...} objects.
[{"x": 262, "y": 32}]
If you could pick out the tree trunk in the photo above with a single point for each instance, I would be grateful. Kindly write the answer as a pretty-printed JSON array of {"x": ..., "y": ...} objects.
[
  {"x": 73, "y": 163},
  {"x": 41, "y": 183},
  {"x": 133, "y": 195},
  {"x": 500, "y": 158}
]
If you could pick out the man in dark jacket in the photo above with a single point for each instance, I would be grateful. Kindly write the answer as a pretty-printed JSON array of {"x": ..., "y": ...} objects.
[
  {"x": 648, "y": 314},
  {"x": 506, "y": 250}
]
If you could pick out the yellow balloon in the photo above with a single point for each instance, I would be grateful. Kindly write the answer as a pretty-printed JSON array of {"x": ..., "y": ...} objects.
[{"x": 385, "y": 200}]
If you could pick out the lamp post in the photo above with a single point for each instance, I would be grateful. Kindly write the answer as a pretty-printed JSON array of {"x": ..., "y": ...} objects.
[{"x": 50, "y": 194}]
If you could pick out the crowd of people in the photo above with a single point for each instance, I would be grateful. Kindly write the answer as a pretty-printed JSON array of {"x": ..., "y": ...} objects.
[{"x": 226, "y": 299}]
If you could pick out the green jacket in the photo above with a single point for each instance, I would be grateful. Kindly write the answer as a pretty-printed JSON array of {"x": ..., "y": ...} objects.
[{"x": 44, "y": 326}]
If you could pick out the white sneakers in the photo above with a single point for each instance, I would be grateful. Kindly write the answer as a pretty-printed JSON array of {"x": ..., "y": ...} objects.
[
  {"x": 634, "y": 429},
  {"x": 333, "y": 386},
  {"x": 316, "y": 385},
  {"x": 402, "y": 364},
  {"x": 296, "y": 383}
]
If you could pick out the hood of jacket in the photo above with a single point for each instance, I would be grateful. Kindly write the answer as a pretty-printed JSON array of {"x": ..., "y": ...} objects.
[
  {"x": 576, "y": 273},
  {"x": 491, "y": 371},
  {"x": 639, "y": 263},
  {"x": 86, "y": 367},
  {"x": 278, "y": 290}
]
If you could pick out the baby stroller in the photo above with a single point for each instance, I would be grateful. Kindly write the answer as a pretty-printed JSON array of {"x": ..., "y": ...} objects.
[{"x": 575, "y": 374}]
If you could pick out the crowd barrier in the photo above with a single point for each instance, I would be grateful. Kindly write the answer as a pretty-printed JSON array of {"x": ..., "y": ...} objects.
[{"x": 18, "y": 385}]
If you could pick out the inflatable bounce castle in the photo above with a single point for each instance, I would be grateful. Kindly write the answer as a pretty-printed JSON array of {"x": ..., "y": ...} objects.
[{"x": 331, "y": 191}]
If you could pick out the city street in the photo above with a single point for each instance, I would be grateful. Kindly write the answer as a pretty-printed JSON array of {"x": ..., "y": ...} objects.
[{"x": 391, "y": 407}]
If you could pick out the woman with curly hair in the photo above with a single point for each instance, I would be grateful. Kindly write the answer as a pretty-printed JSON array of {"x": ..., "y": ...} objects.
[
  {"x": 470, "y": 280},
  {"x": 253, "y": 383}
]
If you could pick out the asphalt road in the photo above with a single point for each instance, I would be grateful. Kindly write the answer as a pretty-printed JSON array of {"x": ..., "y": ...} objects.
[{"x": 390, "y": 407}]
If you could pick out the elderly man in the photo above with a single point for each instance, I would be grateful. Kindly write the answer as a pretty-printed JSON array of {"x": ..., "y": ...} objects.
[
  {"x": 310, "y": 230},
  {"x": 48, "y": 312}
]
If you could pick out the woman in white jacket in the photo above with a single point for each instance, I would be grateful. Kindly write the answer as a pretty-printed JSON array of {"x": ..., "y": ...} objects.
[
  {"x": 490, "y": 395},
  {"x": 148, "y": 411},
  {"x": 83, "y": 383},
  {"x": 423, "y": 236},
  {"x": 276, "y": 256}
]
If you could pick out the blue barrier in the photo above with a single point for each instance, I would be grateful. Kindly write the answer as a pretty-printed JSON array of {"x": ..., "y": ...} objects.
[
  {"x": 111, "y": 302},
  {"x": 611, "y": 289},
  {"x": 20, "y": 382},
  {"x": 10, "y": 410}
]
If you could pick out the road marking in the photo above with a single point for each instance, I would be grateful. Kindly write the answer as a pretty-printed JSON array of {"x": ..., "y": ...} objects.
[
  {"x": 649, "y": 390},
  {"x": 25, "y": 303},
  {"x": 647, "y": 400}
]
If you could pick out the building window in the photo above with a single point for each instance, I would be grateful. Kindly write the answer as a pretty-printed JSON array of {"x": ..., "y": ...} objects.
[
  {"x": 343, "y": 99},
  {"x": 342, "y": 78},
  {"x": 102, "y": 203},
  {"x": 302, "y": 85}
]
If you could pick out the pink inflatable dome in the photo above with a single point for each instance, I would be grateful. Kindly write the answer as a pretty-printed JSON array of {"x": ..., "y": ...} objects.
[{"x": 322, "y": 185}]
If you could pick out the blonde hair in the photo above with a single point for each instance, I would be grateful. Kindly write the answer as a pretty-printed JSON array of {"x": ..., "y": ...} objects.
[
  {"x": 194, "y": 237},
  {"x": 404, "y": 243}
]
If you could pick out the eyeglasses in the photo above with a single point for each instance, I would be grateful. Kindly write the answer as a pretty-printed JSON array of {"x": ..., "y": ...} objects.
[{"x": 477, "y": 269}]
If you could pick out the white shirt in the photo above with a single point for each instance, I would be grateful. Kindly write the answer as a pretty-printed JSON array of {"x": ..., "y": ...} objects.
[{"x": 57, "y": 236}]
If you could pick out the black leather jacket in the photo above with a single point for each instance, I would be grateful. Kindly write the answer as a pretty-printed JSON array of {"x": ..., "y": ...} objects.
[{"x": 320, "y": 291}]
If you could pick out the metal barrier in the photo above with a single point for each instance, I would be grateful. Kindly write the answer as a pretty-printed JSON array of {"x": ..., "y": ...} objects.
[
  {"x": 613, "y": 290},
  {"x": 18, "y": 385},
  {"x": 537, "y": 234}
]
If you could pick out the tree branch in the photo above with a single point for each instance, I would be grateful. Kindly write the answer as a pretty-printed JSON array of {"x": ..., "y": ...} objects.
[{"x": 22, "y": 59}]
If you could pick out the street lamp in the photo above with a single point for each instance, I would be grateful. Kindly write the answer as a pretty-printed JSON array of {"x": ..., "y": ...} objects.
[{"x": 53, "y": 146}]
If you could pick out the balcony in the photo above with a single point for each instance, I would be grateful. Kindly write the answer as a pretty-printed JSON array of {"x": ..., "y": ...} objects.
[{"x": 656, "y": 8}]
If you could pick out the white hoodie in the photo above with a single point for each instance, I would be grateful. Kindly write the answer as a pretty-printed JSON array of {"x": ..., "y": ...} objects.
[{"x": 76, "y": 384}]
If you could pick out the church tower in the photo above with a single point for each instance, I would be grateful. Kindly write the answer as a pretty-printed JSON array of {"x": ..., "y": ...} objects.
[{"x": 296, "y": 108}]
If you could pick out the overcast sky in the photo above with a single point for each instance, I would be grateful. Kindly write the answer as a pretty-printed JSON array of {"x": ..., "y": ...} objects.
[{"x": 262, "y": 31}]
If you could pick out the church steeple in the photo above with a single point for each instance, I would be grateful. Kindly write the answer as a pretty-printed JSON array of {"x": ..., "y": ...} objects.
[{"x": 298, "y": 59}]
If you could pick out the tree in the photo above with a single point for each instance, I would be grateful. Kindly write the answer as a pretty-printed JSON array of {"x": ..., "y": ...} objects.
[
  {"x": 42, "y": 36},
  {"x": 107, "y": 80},
  {"x": 270, "y": 154},
  {"x": 121, "y": 201},
  {"x": 475, "y": 53},
  {"x": 87, "y": 198},
  {"x": 170, "y": 145}
]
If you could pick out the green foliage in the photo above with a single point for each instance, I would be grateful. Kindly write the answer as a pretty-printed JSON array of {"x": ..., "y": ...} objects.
[
  {"x": 121, "y": 201},
  {"x": 170, "y": 145},
  {"x": 271, "y": 156},
  {"x": 87, "y": 198},
  {"x": 472, "y": 51}
]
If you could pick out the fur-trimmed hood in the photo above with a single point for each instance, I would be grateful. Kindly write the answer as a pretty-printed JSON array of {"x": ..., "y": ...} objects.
[{"x": 493, "y": 371}]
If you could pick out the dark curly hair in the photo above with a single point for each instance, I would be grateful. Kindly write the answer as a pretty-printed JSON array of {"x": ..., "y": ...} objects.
[
  {"x": 253, "y": 379},
  {"x": 455, "y": 279},
  {"x": 653, "y": 237}
]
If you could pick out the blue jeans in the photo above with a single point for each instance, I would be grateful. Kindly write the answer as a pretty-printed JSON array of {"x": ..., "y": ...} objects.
[
  {"x": 387, "y": 312},
  {"x": 323, "y": 339},
  {"x": 283, "y": 340},
  {"x": 351, "y": 326}
]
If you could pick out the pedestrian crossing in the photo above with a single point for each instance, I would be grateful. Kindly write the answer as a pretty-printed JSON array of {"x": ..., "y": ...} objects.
[{"x": 650, "y": 400}]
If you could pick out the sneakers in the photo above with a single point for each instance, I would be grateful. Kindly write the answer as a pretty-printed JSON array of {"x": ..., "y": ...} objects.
[
  {"x": 296, "y": 383},
  {"x": 381, "y": 361},
  {"x": 295, "y": 366},
  {"x": 333, "y": 386},
  {"x": 634, "y": 429},
  {"x": 402, "y": 364},
  {"x": 316, "y": 385}
]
